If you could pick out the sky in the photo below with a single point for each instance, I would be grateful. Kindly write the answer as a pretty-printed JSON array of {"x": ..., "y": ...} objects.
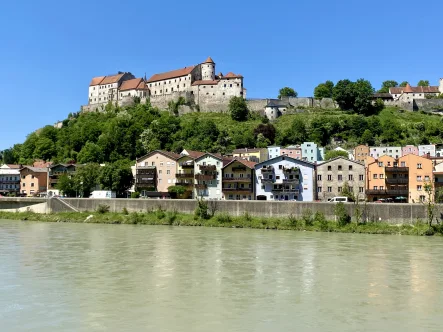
[{"x": 50, "y": 49}]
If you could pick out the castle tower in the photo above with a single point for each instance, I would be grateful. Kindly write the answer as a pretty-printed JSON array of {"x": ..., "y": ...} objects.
[
  {"x": 208, "y": 70},
  {"x": 440, "y": 88}
]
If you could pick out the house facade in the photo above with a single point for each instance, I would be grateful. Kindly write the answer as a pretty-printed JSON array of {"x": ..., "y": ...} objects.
[
  {"x": 273, "y": 151},
  {"x": 424, "y": 150},
  {"x": 55, "y": 171},
  {"x": 136, "y": 87},
  {"x": 207, "y": 175},
  {"x": 361, "y": 152},
  {"x": 104, "y": 89},
  {"x": 420, "y": 171},
  {"x": 255, "y": 155},
  {"x": 285, "y": 178},
  {"x": 311, "y": 152},
  {"x": 9, "y": 179},
  {"x": 409, "y": 149},
  {"x": 156, "y": 172},
  {"x": 333, "y": 175},
  {"x": 293, "y": 151},
  {"x": 391, "y": 151},
  {"x": 408, "y": 93},
  {"x": 33, "y": 180},
  {"x": 238, "y": 180}
]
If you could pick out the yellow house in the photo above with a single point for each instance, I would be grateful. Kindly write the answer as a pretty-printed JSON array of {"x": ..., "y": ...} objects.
[
  {"x": 238, "y": 179},
  {"x": 256, "y": 155}
]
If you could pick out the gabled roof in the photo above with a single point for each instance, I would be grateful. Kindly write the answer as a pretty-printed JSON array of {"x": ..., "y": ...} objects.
[
  {"x": 296, "y": 161},
  {"x": 134, "y": 84},
  {"x": 209, "y": 60},
  {"x": 414, "y": 89},
  {"x": 214, "y": 155},
  {"x": 171, "y": 74},
  {"x": 14, "y": 166},
  {"x": 64, "y": 165},
  {"x": 232, "y": 75},
  {"x": 195, "y": 154},
  {"x": 112, "y": 78},
  {"x": 247, "y": 163},
  {"x": 340, "y": 157},
  {"x": 248, "y": 150},
  {"x": 172, "y": 155},
  {"x": 96, "y": 80},
  {"x": 207, "y": 82},
  {"x": 35, "y": 169}
]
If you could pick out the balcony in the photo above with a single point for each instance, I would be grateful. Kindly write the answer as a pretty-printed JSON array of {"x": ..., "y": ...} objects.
[
  {"x": 267, "y": 180},
  {"x": 184, "y": 175},
  {"x": 286, "y": 190},
  {"x": 292, "y": 181},
  {"x": 205, "y": 177},
  {"x": 238, "y": 179},
  {"x": 201, "y": 186},
  {"x": 290, "y": 170},
  {"x": 239, "y": 169},
  {"x": 208, "y": 168},
  {"x": 397, "y": 181},
  {"x": 267, "y": 169},
  {"x": 187, "y": 164},
  {"x": 246, "y": 190},
  {"x": 389, "y": 192},
  {"x": 397, "y": 169},
  {"x": 184, "y": 183}
]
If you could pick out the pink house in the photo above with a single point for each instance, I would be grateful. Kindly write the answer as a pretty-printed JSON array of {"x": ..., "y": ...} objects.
[
  {"x": 409, "y": 149},
  {"x": 293, "y": 151}
]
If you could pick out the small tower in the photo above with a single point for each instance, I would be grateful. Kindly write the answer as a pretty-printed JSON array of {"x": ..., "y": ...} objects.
[
  {"x": 440, "y": 88},
  {"x": 208, "y": 70}
]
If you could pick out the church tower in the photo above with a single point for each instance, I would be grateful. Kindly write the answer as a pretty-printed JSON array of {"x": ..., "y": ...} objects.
[{"x": 208, "y": 70}]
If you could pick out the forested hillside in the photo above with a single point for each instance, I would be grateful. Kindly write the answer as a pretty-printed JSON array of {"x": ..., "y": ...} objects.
[{"x": 131, "y": 132}]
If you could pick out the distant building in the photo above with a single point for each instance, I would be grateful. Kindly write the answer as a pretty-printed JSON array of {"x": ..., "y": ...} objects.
[
  {"x": 285, "y": 178},
  {"x": 186, "y": 171},
  {"x": 256, "y": 155},
  {"x": 33, "y": 180},
  {"x": 391, "y": 151},
  {"x": 334, "y": 174},
  {"x": 104, "y": 89},
  {"x": 311, "y": 152},
  {"x": 273, "y": 151},
  {"x": 54, "y": 174},
  {"x": 361, "y": 152},
  {"x": 409, "y": 149},
  {"x": 10, "y": 179},
  {"x": 275, "y": 108},
  {"x": 208, "y": 176},
  {"x": 293, "y": 151},
  {"x": 408, "y": 93},
  {"x": 238, "y": 180},
  {"x": 424, "y": 150}
]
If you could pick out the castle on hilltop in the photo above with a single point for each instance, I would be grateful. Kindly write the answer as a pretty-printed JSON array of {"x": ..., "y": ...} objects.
[{"x": 197, "y": 84}]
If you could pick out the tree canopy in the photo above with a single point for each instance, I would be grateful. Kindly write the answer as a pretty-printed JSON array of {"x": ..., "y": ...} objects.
[
  {"x": 324, "y": 90},
  {"x": 335, "y": 153},
  {"x": 238, "y": 109},
  {"x": 287, "y": 92},
  {"x": 423, "y": 83},
  {"x": 356, "y": 96},
  {"x": 386, "y": 85}
]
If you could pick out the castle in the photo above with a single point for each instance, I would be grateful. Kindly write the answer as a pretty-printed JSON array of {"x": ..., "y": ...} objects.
[{"x": 198, "y": 84}]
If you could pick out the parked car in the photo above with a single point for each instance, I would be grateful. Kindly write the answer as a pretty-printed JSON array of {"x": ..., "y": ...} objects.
[
  {"x": 102, "y": 194},
  {"x": 342, "y": 199}
]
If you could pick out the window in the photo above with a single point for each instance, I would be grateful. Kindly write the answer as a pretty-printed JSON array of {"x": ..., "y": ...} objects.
[
  {"x": 419, "y": 188},
  {"x": 329, "y": 177},
  {"x": 340, "y": 177},
  {"x": 318, "y": 177},
  {"x": 382, "y": 176},
  {"x": 427, "y": 178},
  {"x": 419, "y": 166},
  {"x": 351, "y": 177},
  {"x": 361, "y": 189},
  {"x": 160, "y": 172},
  {"x": 361, "y": 177},
  {"x": 375, "y": 176},
  {"x": 161, "y": 163},
  {"x": 350, "y": 167},
  {"x": 153, "y": 163},
  {"x": 329, "y": 189},
  {"x": 381, "y": 188},
  {"x": 403, "y": 164},
  {"x": 419, "y": 178},
  {"x": 339, "y": 167},
  {"x": 375, "y": 188},
  {"x": 24, "y": 185},
  {"x": 380, "y": 164},
  {"x": 329, "y": 167},
  {"x": 340, "y": 189}
]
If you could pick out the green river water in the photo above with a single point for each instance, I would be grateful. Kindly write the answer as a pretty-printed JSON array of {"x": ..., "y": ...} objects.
[{"x": 87, "y": 277}]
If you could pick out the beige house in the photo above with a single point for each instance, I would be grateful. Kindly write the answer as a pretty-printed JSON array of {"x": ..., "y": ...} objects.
[
  {"x": 185, "y": 171},
  {"x": 334, "y": 174},
  {"x": 256, "y": 155},
  {"x": 156, "y": 172},
  {"x": 238, "y": 179},
  {"x": 33, "y": 180}
]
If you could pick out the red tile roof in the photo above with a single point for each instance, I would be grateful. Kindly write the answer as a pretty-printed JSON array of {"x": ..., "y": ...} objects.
[
  {"x": 207, "y": 82},
  {"x": 134, "y": 84},
  {"x": 414, "y": 89},
  {"x": 96, "y": 80},
  {"x": 195, "y": 154},
  {"x": 246, "y": 150},
  {"x": 232, "y": 75},
  {"x": 209, "y": 60},
  {"x": 171, "y": 74},
  {"x": 112, "y": 78},
  {"x": 247, "y": 163},
  {"x": 12, "y": 166}
]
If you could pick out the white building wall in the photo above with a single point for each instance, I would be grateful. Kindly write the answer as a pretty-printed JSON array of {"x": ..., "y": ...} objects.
[
  {"x": 306, "y": 186},
  {"x": 273, "y": 152},
  {"x": 423, "y": 150},
  {"x": 214, "y": 187},
  {"x": 391, "y": 151}
]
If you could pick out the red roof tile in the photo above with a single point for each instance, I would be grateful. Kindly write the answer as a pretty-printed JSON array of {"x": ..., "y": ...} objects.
[
  {"x": 407, "y": 89},
  {"x": 195, "y": 154},
  {"x": 247, "y": 163},
  {"x": 232, "y": 75},
  {"x": 414, "y": 89},
  {"x": 207, "y": 82},
  {"x": 112, "y": 79},
  {"x": 96, "y": 80},
  {"x": 134, "y": 84},
  {"x": 209, "y": 60},
  {"x": 12, "y": 166},
  {"x": 171, "y": 74}
]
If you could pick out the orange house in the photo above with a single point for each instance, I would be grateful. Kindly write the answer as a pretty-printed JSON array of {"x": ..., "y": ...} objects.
[
  {"x": 377, "y": 187},
  {"x": 420, "y": 174},
  {"x": 33, "y": 180},
  {"x": 361, "y": 152}
]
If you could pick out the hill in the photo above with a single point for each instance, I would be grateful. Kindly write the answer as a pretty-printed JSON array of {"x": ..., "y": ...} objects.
[{"x": 128, "y": 133}]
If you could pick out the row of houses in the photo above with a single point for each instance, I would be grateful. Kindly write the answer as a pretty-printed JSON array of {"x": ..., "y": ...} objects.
[{"x": 361, "y": 152}]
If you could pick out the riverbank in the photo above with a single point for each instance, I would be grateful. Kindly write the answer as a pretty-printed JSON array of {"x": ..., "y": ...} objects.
[{"x": 315, "y": 223}]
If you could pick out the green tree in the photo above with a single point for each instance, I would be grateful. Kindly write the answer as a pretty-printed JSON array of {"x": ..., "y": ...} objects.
[
  {"x": 67, "y": 185},
  {"x": 262, "y": 141},
  {"x": 287, "y": 92},
  {"x": 90, "y": 153},
  {"x": 117, "y": 177},
  {"x": 44, "y": 148},
  {"x": 87, "y": 178},
  {"x": 238, "y": 109},
  {"x": 386, "y": 85},
  {"x": 343, "y": 94},
  {"x": 355, "y": 96},
  {"x": 267, "y": 130},
  {"x": 176, "y": 191},
  {"x": 403, "y": 84},
  {"x": 367, "y": 137},
  {"x": 324, "y": 90},
  {"x": 336, "y": 153},
  {"x": 423, "y": 83}
]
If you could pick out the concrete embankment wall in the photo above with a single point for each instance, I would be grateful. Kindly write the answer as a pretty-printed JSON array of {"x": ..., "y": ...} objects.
[{"x": 392, "y": 213}]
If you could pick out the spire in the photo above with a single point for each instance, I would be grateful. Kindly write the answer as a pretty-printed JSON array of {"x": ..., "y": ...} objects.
[
  {"x": 209, "y": 60},
  {"x": 407, "y": 89}
]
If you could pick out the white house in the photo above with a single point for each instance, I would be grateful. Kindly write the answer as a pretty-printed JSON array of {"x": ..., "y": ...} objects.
[
  {"x": 273, "y": 151},
  {"x": 285, "y": 178},
  {"x": 208, "y": 173},
  {"x": 391, "y": 151},
  {"x": 423, "y": 150}
]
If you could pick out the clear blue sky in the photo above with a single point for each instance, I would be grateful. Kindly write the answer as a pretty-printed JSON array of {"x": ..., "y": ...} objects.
[{"x": 52, "y": 48}]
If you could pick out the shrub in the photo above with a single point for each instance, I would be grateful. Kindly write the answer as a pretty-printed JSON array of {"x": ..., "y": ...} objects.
[
  {"x": 292, "y": 220},
  {"x": 319, "y": 217},
  {"x": 307, "y": 217},
  {"x": 201, "y": 211},
  {"x": 125, "y": 211},
  {"x": 135, "y": 218},
  {"x": 135, "y": 195},
  {"x": 343, "y": 218},
  {"x": 171, "y": 216},
  {"x": 247, "y": 216},
  {"x": 224, "y": 218},
  {"x": 102, "y": 208},
  {"x": 160, "y": 213}
]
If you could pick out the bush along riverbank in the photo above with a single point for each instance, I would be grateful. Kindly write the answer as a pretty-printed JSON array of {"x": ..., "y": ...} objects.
[{"x": 203, "y": 216}]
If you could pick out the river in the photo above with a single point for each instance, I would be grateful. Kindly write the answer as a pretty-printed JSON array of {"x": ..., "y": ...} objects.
[{"x": 87, "y": 277}]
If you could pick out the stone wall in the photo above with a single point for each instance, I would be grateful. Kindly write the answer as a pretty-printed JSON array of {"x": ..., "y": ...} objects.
[
  {"x": 392, "y": 213},
  {"x": 428, "y": 105}
]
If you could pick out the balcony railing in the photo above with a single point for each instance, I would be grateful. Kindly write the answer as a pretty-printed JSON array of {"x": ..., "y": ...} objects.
[
  {"x": 267, "y": 169},
  {"x": 290, "y": 170},
  {"x": 207, "y": 167},
  {"x": 184, "y": 183},
  {"x": 286, "y": 190},
  {"x": 239, "y": 168},
  {"x": 291, "y": 181},
  {"x": 397, "y": 169},
  {"x": 391, "y": 192},
  {"x": 184, "y": 175},
  {"x": 249, "y": 190},
  {"x": 396, "y": 181},
  {"x": 187, "y": 165},
  {"x": 264, "y": 180},
  {"x": 238, "y": 179},
  {"x": 201, "y": 186},
  {"x": 204, "y": 177}
]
